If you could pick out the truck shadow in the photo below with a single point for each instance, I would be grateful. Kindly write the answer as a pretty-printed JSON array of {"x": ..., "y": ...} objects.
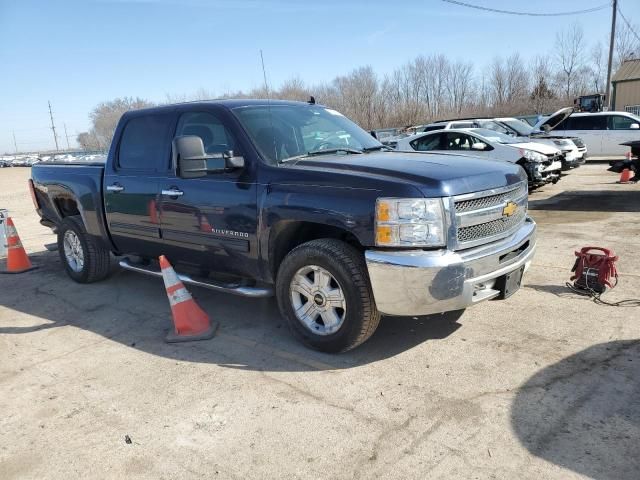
[
  {"x": 589, "y": 201},
  {"x": 133, "y": 310},
  {"x": 583, "y": 413}
]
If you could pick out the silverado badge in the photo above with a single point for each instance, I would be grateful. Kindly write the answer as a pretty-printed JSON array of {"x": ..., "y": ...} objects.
[{"x": 510, "y": 209}]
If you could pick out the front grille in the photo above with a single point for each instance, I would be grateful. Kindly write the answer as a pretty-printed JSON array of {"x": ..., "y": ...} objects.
[
  {"x": 491, "y": 200},
  {"x": 490, "y": 229},
  {"x": 482, "y": 217}
]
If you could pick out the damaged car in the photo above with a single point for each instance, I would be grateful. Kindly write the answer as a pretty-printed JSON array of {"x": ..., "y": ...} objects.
[{"x": 543, "y": 163}]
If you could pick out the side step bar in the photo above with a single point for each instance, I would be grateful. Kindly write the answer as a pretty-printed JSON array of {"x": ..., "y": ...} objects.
[{"x": 234, "y": 288}]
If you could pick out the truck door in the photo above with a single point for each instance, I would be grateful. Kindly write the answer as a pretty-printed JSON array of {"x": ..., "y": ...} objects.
[
  {"x": 211, "y": 221},
  {"x": 131, "y": 182}
]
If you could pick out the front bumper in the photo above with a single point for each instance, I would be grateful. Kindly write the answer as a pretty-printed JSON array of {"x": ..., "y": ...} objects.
[{"x": 422, "y": 282}]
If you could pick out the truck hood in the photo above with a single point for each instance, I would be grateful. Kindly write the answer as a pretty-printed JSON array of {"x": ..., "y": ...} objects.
[{"x": 434, "y": 174}]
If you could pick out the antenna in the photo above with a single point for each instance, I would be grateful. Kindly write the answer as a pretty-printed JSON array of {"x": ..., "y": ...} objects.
[
  {"x": 53, "y": 127},
  {"x": 266, "y": 87},
  {"x": 264, "y": 74},
  {"x": 66, "y": 135}
]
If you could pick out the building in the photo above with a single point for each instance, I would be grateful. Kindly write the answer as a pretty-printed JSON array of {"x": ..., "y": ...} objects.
[{"x": 625, "y": 95}]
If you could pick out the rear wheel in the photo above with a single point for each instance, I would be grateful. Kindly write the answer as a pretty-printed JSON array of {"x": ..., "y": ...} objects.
[
  {"x": 324, "y": 293},
  {"x": 83, "y": 257}
]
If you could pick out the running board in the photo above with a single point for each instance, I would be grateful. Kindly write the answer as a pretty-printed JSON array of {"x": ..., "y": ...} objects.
[{"x": 234, "y": 288}]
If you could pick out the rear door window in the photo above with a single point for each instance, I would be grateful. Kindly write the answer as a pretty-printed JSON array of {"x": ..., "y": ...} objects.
[
  {"x": 458, "y": 141},
  {"x": 145, "y": 143},
  {"x": 426, "y": 143},
  {"x": 586, "y": 122}
]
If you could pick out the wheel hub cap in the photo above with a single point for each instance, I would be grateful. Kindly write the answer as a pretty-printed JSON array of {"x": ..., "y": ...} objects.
[
  {"x": 73, "y": 251},
  {"x": 318, "y": 300}
]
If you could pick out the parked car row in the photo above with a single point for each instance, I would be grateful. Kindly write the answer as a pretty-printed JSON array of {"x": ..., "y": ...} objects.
[{"x": 28, "y": 160}]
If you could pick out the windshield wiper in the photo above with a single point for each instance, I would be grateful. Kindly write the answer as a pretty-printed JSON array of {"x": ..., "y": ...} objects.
[
  {"x": 327, "y": 151},
  {"x": 373, "y": 149},
  {"x": 312, "y": 153}
]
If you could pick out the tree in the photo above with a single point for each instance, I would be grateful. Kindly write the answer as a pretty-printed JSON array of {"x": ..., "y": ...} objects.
[
  {"x": 88, "y": 141},
  {"x": 541, "y": 95},
  {"x": 570, "y": 58}
]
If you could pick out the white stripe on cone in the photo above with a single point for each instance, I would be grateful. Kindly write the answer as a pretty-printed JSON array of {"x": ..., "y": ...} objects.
[
  {"x": 170, "y": 277},
  {"x": 179, "y": 296}
]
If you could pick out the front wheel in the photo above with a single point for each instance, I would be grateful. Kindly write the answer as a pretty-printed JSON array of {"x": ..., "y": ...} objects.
[
  {"x": 83, "y": 257},
  {"x": 324, "y": 293}
]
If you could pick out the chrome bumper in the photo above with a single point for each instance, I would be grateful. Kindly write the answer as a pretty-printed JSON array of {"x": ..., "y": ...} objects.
[{"x": 420, "y": 282}]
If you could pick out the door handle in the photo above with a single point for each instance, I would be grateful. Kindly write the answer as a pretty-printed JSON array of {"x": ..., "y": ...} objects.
[
  {"x": 173, "y": 192},
  {"x": 115, "y": 188}
]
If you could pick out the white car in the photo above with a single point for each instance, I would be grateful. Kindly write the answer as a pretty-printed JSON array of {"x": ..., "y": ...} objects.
[
  {"x": 574, "y": 151},
  {"x": 573, "y": 148},
  {"x": 541, "y": 162},
  {"x": 602, "y": 132}
]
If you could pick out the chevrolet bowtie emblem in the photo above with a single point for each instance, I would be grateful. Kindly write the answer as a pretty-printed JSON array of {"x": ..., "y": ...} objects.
[{"x": 510, "y": 209}]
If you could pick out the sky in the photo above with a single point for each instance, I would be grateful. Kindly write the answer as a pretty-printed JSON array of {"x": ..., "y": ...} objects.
[{"x": 77, "y": 54}]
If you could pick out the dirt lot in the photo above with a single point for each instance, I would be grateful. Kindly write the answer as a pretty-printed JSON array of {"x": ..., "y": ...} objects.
[{"x": 545, "y": 385}]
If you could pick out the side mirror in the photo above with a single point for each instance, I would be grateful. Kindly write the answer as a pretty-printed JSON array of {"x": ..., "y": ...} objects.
[
  {"x": 634, "y": 126},
  {"x": 193, "y": 162},
  {"x": 189, "y": 156},
  {"x": 480, "y": 146}
]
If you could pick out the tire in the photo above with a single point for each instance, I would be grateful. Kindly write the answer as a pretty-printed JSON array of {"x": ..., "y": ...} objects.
[
  {"x": 359, "y": 318},
  {"x": 96, "y": 260}
]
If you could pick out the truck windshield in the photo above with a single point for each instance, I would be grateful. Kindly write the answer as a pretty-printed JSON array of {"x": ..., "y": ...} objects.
[{"x": 281, "y": 132}]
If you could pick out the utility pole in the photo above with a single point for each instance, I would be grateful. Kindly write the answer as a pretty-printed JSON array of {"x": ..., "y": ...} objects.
[
  {"x": 15, "y": 144},
  {"x": 66, "y": 135},
  {"x": 610, "y": 65},
  {"x": 53, "y": 127}
]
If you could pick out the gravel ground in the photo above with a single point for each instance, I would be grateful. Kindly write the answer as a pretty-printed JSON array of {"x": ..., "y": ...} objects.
[{"x": 544, "y": 385}]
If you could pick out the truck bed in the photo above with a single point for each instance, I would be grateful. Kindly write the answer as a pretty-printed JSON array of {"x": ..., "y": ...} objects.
[{"x": 73, "y": 181}]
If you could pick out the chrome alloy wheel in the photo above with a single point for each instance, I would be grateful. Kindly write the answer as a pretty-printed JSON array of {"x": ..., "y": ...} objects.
[
  {"x": 318, "y": 300},
  {"x": 73, "y": 251}
]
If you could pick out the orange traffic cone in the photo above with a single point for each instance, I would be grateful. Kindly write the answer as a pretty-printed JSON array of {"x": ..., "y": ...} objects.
[
  {"x": 190, "y": 321},
  {"x": 625, "y": 176},
  {"x": 17, "y": 259},
  {"x": 153, "y": 211}
]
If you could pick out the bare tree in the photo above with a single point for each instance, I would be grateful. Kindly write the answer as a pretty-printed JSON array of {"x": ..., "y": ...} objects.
[
  {"x": 459, "y": 85},
  {"x": 626, "y": 45},
  {"x": 597, "y": 68},
  {"x": 570, "y": 58},
  {"x": 541, "y": 95}
]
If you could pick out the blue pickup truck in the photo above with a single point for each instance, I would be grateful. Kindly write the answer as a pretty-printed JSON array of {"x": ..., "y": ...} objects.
[{"x": 260, "y": 198}]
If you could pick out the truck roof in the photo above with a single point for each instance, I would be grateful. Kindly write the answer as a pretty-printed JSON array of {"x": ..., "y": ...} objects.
[{"x": 227, "y": 102}]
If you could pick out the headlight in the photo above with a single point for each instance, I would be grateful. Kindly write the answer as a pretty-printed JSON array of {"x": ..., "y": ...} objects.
[
  {"x": 533, "y": 156},
  {"x": 409, "y": 222}
]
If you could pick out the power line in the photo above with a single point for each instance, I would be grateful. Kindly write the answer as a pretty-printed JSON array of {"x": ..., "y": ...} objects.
[
  {"x": 628, "y": 24},
  {"x": 530, "y": 14},
  {"x": 53, "y": 127}
]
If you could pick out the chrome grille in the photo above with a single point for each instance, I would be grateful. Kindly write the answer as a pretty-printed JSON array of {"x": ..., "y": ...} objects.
[
  {"x": 490, "y": 229},
  {"x": 491, "y": 200},
  {"x": 482, "y": 217}
]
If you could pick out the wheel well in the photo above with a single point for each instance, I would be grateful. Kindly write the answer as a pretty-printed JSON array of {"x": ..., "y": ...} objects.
[
  {"x": 67, "y": 207},
  {"x": 288, "y": 236}
]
